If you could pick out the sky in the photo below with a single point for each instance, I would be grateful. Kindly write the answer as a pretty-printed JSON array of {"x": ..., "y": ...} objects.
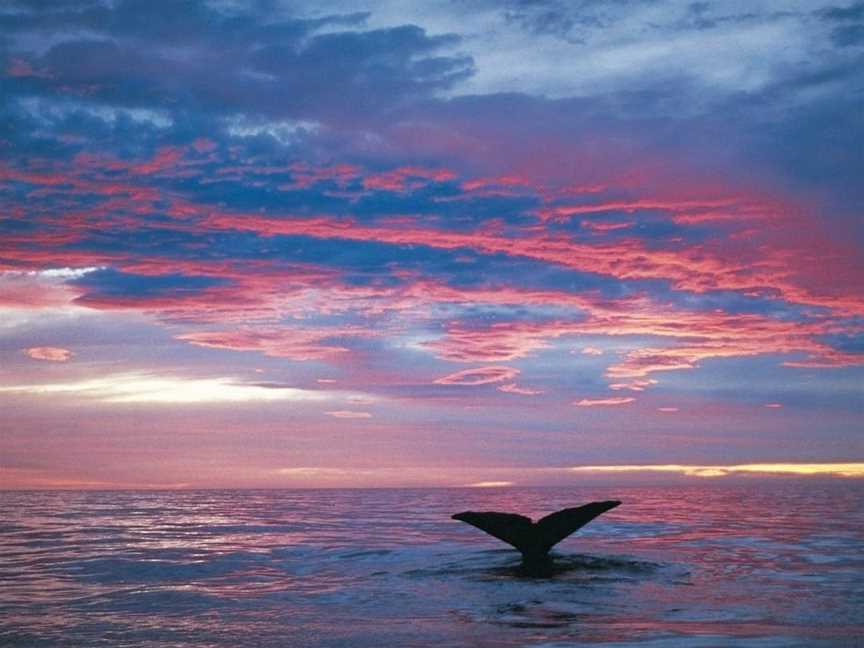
[{"x": 390, "y": 243}]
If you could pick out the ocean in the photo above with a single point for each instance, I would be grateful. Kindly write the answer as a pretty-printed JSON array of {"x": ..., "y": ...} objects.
[{"x": 762, "y": 564}]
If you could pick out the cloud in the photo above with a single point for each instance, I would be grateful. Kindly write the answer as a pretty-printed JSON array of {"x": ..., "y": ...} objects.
[
  {"x": 813, "y": 469},
  {"x": 35, "y": 290},
  {"x": 667, "y": 410},
  {"x": 280, "y": 342},
  {"x": 148, "y": 388},
  {"x": 604, "y": 402},
  {"x": 389, "y": 190},
  {"x": 693, "y": 268},
  {"x": 500, "y": 343},
  {"x": 633, "y": 384},
  {"x": 349, "y": 414},
  {"x": 490, "y": 484},
  {"x": 513, "y": 388},
  {"x": 406, "y": 178},
  {"x": 852, "y": 12},
  {"x": 592, "y": 351},
  {"x": 479, "y": 376},
  {"x": 53, "y": 354},
  {"x": 695, "y": 336},
  {"x": 848, "y": 36},
  {"x": 629, "y": 207},
  {"x": 239, "y": 61}
]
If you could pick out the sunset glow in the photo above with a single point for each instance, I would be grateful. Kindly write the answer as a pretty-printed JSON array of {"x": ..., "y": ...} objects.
[
  {"x": 369, "y": 244},
  {"x": 839, "y": 469}
]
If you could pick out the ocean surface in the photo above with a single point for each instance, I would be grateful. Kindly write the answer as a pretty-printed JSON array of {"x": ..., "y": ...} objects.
[{"x": 763, "y": 564}]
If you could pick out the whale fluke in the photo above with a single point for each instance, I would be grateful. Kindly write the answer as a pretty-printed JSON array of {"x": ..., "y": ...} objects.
[{"x": 535, "y": 539}]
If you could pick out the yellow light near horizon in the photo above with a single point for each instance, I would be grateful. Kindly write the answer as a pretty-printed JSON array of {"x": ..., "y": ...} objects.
[
  {"x": 831, "y": 469},
  {"x": 491, "y": 484},
  {"x": 845, "y": 469}
]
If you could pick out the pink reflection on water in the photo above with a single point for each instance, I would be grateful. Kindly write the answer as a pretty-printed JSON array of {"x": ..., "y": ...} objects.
[{"x": 720, "y": 564}]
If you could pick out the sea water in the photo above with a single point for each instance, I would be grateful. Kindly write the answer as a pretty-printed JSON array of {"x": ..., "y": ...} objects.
[{"x": 764, "y": 564}]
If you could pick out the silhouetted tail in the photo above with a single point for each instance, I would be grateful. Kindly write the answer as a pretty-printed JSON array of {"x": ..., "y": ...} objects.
[
  {"x": 535, "y": 539},
  {"x": 553, "y": 528}
]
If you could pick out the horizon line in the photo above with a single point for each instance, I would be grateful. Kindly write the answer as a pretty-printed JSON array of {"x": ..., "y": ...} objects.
[{"x": 341, "y": 477}]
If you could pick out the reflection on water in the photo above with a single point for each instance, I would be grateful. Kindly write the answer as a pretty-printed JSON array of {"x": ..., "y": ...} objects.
[{"x": 764, "y": 565}]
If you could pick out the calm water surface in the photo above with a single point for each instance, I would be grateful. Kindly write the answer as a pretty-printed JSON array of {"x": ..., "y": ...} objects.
[{"x": 767, "y": 564}]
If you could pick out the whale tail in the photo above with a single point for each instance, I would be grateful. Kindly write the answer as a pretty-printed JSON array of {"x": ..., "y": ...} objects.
[{"x": 535, "y": 539}]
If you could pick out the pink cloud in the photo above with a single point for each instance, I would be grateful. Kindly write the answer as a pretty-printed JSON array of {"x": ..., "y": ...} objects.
[
  {"x": 261, "y": 291},
  {"x": 349, "y": 414},
  {"x": 21, "y": 68},
  {"x": 406, "y": 178},
  {"x": 204, "y": 145},
  {"x": 730, "y": 263},
  {"x": 506, "y": 185},
  {"x": 280, "y": 342},
  {"x": 499, "y": 343},
  {"x": 605, "y": 227},
  {"x": 695, "y": 336},
  {"x": 513, "y": 388},
  {"x": 636, "y": 384},
  {"x": 479, "y": 376},
  {"x": 603, "y": 402},
  {"x": 630, "y": 206},
  {"x": 52, "y": 354},
  {"x": 592, "y": 351},
  {"x": 694, "y": 268},
  {"x": 19, "y": 290},
  {"x": 165, "y": 158},
  {"x": 667, "y": 410},
  {"x": 305, "y": 175},
  {"x": 512, "y": 180},
  {"x": 773, "y": 405}
]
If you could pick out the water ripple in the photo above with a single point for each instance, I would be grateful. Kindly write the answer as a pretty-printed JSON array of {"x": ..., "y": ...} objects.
[{"x": 708, "y": 566}]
